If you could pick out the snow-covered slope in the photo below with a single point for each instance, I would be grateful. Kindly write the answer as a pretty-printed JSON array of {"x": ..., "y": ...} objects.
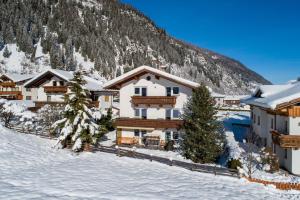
[{"x": 30, "y": 168}]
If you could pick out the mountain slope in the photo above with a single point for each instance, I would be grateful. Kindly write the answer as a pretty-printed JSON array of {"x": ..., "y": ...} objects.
[{"x": 112, "y": 38}]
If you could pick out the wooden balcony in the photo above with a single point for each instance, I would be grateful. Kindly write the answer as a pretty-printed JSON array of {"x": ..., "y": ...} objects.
[
  {"x": 154, "y": 100},
  {"x": 10, "y": 93},
  {"x": 55, "y": 89},
  {"x": 8, "y": 84},
  {"x": 286, "y": 141},
  {"x": 294, "y": 111},
  {"x": 149, "y": 123}
]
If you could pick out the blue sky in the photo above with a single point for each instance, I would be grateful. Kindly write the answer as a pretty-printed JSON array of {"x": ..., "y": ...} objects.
[{"x": 262, "y": 34}]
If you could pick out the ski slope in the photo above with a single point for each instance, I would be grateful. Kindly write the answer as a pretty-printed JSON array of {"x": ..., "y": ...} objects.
[{"x": 30, "y": 168}]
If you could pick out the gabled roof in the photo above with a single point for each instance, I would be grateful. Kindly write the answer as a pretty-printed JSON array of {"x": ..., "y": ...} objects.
[
  {"x": 92, "y": 84},
  {"x": 113, "y": 84},
  {"x": 275, "y": 96},
  {"x": 18, "y": 77}
]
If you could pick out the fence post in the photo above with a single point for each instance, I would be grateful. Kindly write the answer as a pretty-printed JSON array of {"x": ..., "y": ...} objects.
[
  {"x": 171, "y": 161},
  {"x": 151, "y": 157},
  {"x": 215, "y": 170}
]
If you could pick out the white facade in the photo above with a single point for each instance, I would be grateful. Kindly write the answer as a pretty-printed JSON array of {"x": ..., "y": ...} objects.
[
  {"x": 275, "y": 109},
  {"x": 151, "y": 83}
]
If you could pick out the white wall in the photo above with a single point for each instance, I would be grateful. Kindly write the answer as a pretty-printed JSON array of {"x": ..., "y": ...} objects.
[{"x": 155, "y": 87}]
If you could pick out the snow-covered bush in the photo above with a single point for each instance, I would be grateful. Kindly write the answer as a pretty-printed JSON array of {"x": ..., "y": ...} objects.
[
  {"x": 9, "y": 112},
  {"x": 48, "y": 115},
  {"x": 269, "y": 160}
]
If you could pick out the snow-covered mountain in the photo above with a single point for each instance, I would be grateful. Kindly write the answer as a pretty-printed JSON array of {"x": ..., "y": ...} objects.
[{"x": 106, "y": 38}]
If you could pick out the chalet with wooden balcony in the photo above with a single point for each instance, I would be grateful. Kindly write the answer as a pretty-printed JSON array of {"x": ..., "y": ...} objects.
[
  {"x": 12, "y": 86},
  {"x": 151, "y": 103},
  {"x": 50, "y": 87},
  {"x": 275, "y": 116}
]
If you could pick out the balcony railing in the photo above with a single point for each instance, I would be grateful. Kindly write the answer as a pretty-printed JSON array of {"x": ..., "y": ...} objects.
[
  {"x": 55, "y": 89},
  {"x": 8, "y": 84},
  {"x": 154, "y": 100},
  {"x": 149, "y": 123},
  {"x": 286, "y": 141},
  {"x": 10, "y": 93},
  {"x": 294, "y": 111}
]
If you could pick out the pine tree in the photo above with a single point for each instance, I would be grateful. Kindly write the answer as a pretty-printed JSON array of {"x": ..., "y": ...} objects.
[
  {"x": 202, "y": 141},
  {"x": 6, "y": 52},
  {"x": 78, "y": 127}
]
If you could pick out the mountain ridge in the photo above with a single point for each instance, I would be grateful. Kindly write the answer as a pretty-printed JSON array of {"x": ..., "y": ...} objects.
[{"x": 108, "y": 38}]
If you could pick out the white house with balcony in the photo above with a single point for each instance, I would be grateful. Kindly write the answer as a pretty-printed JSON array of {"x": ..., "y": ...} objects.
[
  {"x": 50, "y": 87},
  {"x": 275, "y": 116},
  {"x": 12, "y": 86},
  {"x": 151, "y": 102}
]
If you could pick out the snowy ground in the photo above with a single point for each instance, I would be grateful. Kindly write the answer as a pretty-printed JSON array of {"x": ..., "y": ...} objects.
[{"x": 31, "y": 169}]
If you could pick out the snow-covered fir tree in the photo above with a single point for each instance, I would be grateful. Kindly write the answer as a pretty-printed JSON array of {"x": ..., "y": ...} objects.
[
  {"x": 78, "y": 127},
  {"x": 202, "y": 141}
]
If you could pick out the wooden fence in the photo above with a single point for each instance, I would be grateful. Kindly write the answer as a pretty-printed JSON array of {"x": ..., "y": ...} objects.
[
  {"x": 190, "y": 166},
  {"x": 278, "y": 185}
]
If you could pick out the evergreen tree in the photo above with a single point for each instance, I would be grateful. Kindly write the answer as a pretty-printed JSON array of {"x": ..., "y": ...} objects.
[
  {"x": 78, "y": 126},
  {"x": 202, "y": 141},
  {"x": 6, "y": 53}
]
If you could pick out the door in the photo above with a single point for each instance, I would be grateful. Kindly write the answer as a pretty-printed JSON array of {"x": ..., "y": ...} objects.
[{"x": 119, "y": 136}]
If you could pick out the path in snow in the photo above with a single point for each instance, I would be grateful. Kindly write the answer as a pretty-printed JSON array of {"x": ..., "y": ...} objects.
[{"x": 31, "y": 169}]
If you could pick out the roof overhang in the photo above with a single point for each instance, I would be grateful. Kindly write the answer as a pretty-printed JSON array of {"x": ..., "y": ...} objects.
[
  {"x": 42, "y": 78},
  {"x": 140, "y": 71}
]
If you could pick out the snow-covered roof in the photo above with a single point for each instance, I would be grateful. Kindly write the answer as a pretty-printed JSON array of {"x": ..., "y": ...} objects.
[
  {"x": 271, "y": 96},
  {"x": 141, "y": 69},
  {"x": 18, "y": 77},
  {"x": 235, "y": 97},
  {"x": 217, "y": 95},
  {"x": 92, "y": 84}
]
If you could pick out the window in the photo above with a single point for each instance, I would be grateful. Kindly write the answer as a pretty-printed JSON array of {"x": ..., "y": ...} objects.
[
  {"x": 175, "y": 90},
  {"x": 142, "y": 91},
  {"x": 136, "y": 133},
  {"x": 137, "y": 91},
  {"x": 258, "y": 120},
  {"x": 175, "y": 135},
  {"x": 252, "y": 115},
  {"x": 168, "y": 114},
  {"x": 136, "y": 112},
  {"x": 106, "y": 98},
  {"x": 286, "y": 126},
  {"x": 265, "y": 142},
  {"x": 28, "y": 97},
  {"x": 61, "y": 83},
  {"x": 143, "y": 133},
  {"x": 285, "y": 154},
  {"x": 169, "y": 91},
  {"x": 176, "y": 114},
  {"x": 148, "y": 78},
  {"x": 54, "y": 83},
  {"x": 48, "y": 98},
  {"x": 168, "y": 136},
  {"x": 254, "y": 118},
  {"x": 172, "y": 91},
  {"x": 144, "y": 113},
  {"x": 28, "y": 89},
  {"x": 272, "y": 123}
]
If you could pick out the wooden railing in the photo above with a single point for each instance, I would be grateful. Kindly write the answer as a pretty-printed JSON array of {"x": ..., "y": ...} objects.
[
  {"x": 154, "y": 100},
  {"x": 294, "y": 111},
  {"x": 12, "y": 93},
  {"x": 8, "y": 84},
  {"x": 149, "y": 123},
  {"x": 286, "y": 141},
  {"x": 55, "y": 89}
]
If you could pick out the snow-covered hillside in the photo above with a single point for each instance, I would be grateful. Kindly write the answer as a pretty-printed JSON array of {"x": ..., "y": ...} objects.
[{"x": 30, "y": 168}]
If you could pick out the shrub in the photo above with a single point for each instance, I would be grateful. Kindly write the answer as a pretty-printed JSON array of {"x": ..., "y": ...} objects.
[
  {"x": 169, "y": 146},
  {"x": 234, "y": 164},
  {"x": 269, "y": 159}
]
